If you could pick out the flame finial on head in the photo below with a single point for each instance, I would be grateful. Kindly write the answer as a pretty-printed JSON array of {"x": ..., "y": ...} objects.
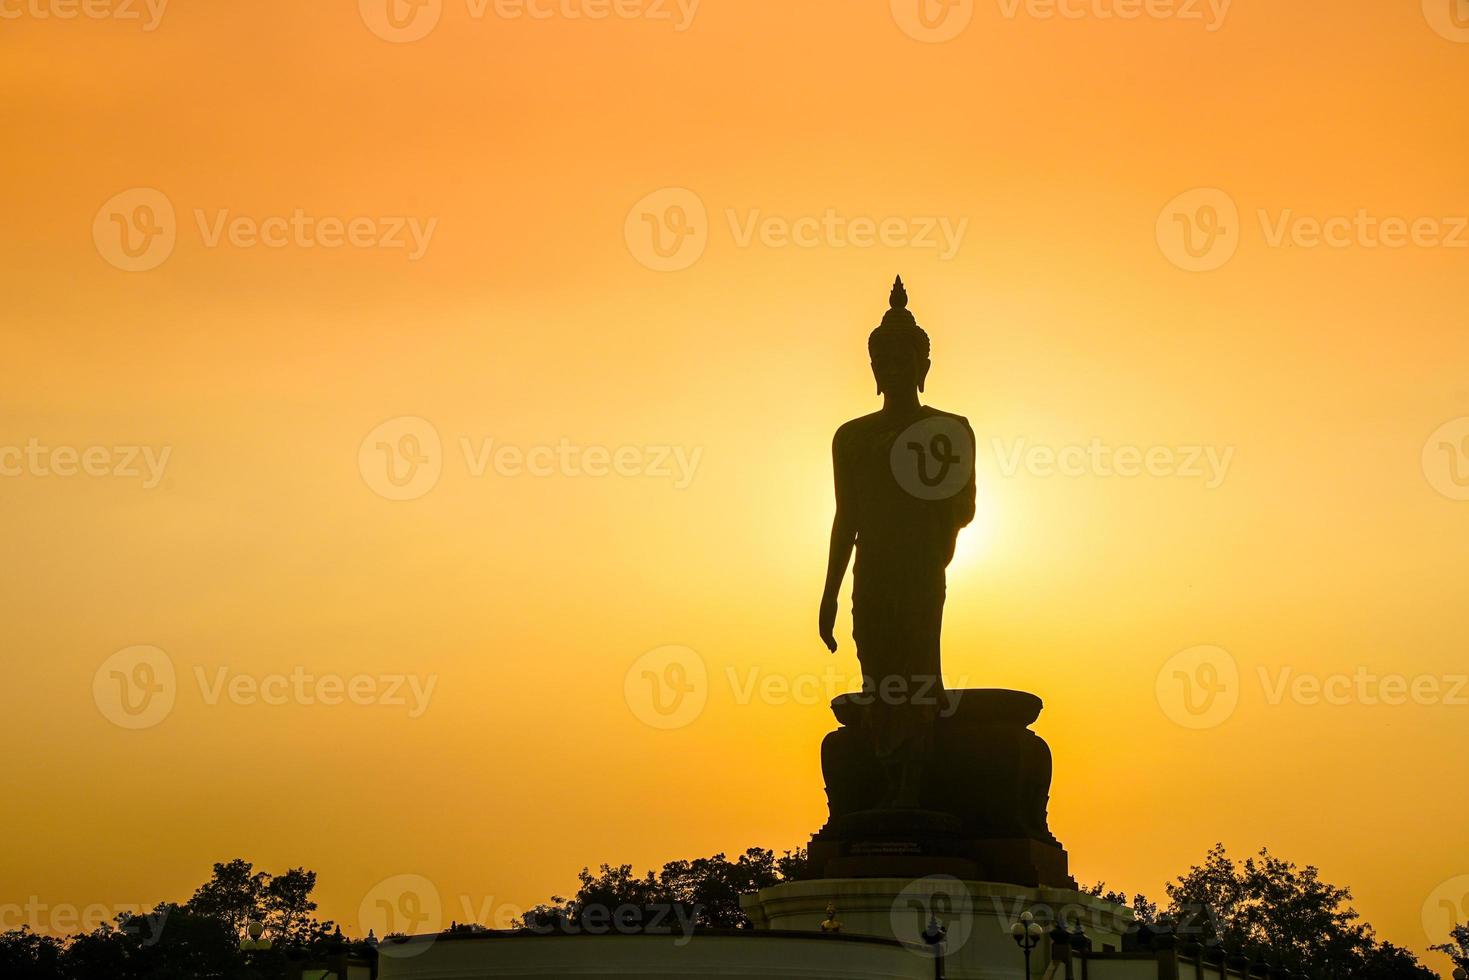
[{"x": 898, "y": 327}]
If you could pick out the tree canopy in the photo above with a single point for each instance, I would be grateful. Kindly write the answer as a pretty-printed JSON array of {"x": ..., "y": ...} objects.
[
  {"x": 1264, "y": 907},
  {"x": 704, "y": 892},
  {"x": 1274, "y": 911},
  {"x": 199, "y": 939}
]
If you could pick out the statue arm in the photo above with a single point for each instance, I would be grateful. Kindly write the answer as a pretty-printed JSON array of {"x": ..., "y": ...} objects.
[
  {"x": 964, "y": 500},
  {"x": 839, "y": 555}
]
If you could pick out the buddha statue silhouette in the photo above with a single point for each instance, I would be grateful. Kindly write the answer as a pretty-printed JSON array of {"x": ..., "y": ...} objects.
[{"x": 905, "y": 487}]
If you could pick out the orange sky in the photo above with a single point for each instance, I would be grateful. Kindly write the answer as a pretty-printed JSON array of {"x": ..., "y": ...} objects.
[{"x": 1020, "y": 175}]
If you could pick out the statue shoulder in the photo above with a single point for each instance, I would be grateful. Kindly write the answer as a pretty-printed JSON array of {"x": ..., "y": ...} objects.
[
  {"x": 855, "y": 428},
  {"x": 947, "y": 415},
  {"x": 940, "y": 413}
]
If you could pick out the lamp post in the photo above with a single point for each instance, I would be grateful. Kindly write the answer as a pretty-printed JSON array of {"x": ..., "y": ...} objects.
[
  {"x": 1027, "y": 934},
  {"x": 255, "y": 929},
  {"x": 935, "y": 935}
]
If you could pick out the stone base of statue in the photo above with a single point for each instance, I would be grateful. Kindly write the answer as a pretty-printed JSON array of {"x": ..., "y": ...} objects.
[
  {"x": 977, "y": 917},
  {"x": 983, "y": 792}
]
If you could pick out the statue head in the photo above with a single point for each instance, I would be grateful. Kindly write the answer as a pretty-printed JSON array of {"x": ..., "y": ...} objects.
[{"x": 898, "y": 347}]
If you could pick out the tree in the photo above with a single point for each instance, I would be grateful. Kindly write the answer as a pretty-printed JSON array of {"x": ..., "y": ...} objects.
[
  {"x": 27, "y": 956},
  {"x": 199, "y": 940},
  {"x": 170, "y": 943},
  {"x": 704, "y": 892},
  {"x": 1457, "y": 948},
  {"x": 232, "y": 896},
  {"x": 1144, "y": 911},
  {"x": 286, "y": 907},
  {"x": 1269, "y": 908}
]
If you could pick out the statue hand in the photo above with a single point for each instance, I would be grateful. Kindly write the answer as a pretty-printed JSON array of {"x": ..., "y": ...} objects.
[{"x": 828, "y": 621}]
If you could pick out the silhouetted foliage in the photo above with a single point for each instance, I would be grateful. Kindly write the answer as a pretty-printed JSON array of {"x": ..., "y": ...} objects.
[
  {"x": 27, "y": 956},
  {"x": 1457, "y": 948},
  {"x": 199, "y": 940},
  {"x": 703, "y": 892},
  {"x": 1144, "y": 912},
  {"x": 1264, "y": 907},
  {"x": 1274, "y": 910}
]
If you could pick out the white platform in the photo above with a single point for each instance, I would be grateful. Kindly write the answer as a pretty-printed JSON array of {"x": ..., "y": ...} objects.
[
  {"x": 883, "y": 921},
  {"x": 771, "y": 955},
  {"x": 976, "y": 915}
]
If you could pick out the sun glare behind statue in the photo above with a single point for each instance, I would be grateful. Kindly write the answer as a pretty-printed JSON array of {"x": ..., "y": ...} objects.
[{"x": 974, "y": 540}]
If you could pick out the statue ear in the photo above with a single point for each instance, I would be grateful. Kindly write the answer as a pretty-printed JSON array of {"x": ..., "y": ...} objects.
[{"x": 923, "y": 373}]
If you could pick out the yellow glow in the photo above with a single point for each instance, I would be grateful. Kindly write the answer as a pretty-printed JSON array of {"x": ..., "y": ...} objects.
[{"x": 529, "y": 319}]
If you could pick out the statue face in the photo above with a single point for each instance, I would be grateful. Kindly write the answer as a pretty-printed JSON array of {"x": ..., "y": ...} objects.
[{"x": 899, "y": 369}]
